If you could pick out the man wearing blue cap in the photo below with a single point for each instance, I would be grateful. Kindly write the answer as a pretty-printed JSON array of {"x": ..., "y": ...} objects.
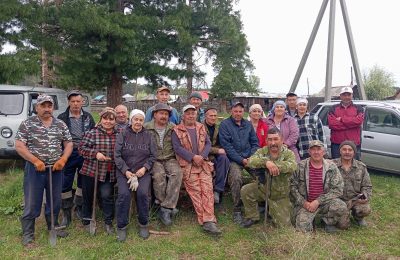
[{"x": 196, "y": 99}]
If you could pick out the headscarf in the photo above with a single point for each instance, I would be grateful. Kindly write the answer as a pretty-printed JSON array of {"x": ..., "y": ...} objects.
[
  {"x": 135, "y": 112},
  {"x": 254, "y": 107},
  {"x": 278, "y": 102}
]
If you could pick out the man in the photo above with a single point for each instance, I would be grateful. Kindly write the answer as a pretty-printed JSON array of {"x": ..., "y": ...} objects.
[
  {"x": 78, "y": 122},
  {"x": 39, "y": 141},
  {"x": 357, "y": 189},
  {"x": 315, "y": 188},
  {"x": 291, "y": 101},
  {"x": 196, "y": 99},
  {"x": 279, "y": 163},
  {"x": 217, "y": 154},
  {"x": 166, "y": 173},
  {"x": 163, "y": 97},
  {"x": 345, "y": 120},
  {"x": 122, "y": 117},
  {"x": 310, "y": 128},
  {"x": 239, "y": 140},
  {"x": 192, "y": 146}
]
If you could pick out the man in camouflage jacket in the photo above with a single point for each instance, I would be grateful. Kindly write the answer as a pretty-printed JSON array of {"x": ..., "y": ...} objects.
[
  {"x": 315, "y": 188},
  {"x": 280, "y": 163},
  {"x": 357, "y": 189}
]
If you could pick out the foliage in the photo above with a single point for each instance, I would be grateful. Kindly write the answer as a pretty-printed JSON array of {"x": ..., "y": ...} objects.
[{"x": 379, "y": 83}]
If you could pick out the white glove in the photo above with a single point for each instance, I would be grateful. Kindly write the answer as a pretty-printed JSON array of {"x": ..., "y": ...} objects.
[{"x": 134, "y": 184}]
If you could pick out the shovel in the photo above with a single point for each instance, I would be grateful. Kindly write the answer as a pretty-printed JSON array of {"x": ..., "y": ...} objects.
[
  {"x": 92, "y": 225},
  {"x": 268, "y": 180},
  {"x": 53, "y": 233}
]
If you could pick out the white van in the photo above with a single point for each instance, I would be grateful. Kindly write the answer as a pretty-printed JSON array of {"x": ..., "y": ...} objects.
[{"x": 17, "y": 104}]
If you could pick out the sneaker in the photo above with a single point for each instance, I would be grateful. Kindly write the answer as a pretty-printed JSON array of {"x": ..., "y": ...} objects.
[
  {"x": 362, "y": 223},
  {"x": 165, "y": 216},
  {"x": 330, "y": 229},
  {"x": 216, "y": 197},
  {"x": 211, "y": 228},
  {"x": 248, "y": 223},
  {"x": 237, "y": 217}
]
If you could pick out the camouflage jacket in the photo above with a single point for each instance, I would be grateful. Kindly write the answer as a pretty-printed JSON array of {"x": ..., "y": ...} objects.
[
  {"x": 286, "y": 164},
  {"x": 167, "y": 151},
  {"x": 299, "y": 183},
  {"x": 356, "y": 181},
  {"x": 215, "y": 142}
]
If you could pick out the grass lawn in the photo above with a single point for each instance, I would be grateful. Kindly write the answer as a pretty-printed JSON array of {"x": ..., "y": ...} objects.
[{"x": 380, "y": 240}]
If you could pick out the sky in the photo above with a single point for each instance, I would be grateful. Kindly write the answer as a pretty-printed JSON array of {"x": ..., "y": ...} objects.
[{"x": 278, "y": 30}]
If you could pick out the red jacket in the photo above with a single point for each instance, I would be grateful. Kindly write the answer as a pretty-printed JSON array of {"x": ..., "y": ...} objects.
[
  {"x": 349, "y": 125},
  {"x": 262, "y": 132}
]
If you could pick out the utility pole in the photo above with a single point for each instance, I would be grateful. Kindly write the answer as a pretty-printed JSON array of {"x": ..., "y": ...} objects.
[{"x": 329, "y": 59}]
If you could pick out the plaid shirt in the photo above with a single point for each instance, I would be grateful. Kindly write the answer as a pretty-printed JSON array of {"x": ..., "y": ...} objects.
[
  {"x": 95, "y": 141},
  {"x": 310, "y": 128}
]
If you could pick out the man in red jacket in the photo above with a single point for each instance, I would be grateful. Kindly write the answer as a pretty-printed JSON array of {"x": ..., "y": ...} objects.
[{"x": 345, "y": 120}]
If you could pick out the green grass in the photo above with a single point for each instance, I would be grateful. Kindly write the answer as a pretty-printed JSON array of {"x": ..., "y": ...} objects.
[{"x": 186, "y": 240}]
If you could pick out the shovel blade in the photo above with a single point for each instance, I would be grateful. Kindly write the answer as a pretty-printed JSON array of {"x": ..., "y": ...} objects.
[
  {"x": 53, "y": 237},
  {"x": 92, "y": 227}
]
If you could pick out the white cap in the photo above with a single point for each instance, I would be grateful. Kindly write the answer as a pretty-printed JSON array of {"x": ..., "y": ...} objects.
[
  {"x": 346, "y": 90},
  {"x": 188, "y": 107}
]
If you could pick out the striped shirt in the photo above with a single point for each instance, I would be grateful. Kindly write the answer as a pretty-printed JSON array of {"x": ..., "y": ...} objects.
[{"x": 315, "y": 183}]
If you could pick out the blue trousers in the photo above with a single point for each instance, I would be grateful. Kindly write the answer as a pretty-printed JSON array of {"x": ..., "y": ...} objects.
[
  {"x": 105, "y": 190},
  {"x": 221, "y": 164},
  {"x": 74, "y": 163},
  {"x": 335, "y": 151},
  {"x": 125, "y": 196},
  {"x": 34, "y": 185}
]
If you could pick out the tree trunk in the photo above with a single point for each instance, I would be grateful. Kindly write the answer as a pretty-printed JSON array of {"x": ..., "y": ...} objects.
[
  {"x": 114, "y": 92},
  {"x": 45, "y": 69},
  {"x": 189, "y": 69}
]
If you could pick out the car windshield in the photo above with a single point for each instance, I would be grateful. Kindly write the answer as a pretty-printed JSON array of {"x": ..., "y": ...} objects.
[{"x": 11, "y": 103}]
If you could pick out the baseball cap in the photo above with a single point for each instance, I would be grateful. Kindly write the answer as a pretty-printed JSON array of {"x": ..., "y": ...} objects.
[
  {"x": 196, "y": 95},
  {"x": 188, "y": 107},
  {"x": 238, "y": 103},
  {"x": 74, "y": 92},
  {"x": 346, "y": 90},
  {"x": 163, "y": 88},
  {"x": 291, "y": 94},
  {"x": 161, "y": 106},
  {"x": 316, "y": 143},
  {"x": 44, "y": 98}
]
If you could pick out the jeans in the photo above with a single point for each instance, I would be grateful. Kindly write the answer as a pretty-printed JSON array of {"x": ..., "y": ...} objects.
[
  {"x": 221, "y": 164},
  {"x": 74, "y": 163}
]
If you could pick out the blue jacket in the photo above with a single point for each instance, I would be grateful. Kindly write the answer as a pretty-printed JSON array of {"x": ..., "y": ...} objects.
[{"x": 239, "y": 142}]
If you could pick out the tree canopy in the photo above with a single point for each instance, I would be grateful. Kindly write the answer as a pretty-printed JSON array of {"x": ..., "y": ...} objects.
[{"x": 379, "y": 83}]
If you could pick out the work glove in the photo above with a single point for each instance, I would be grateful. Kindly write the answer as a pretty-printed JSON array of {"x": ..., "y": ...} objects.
[
  {"x": 59, "y": 165},
  {"x": 39, "y": 165},
  {"x": 133, "y": 183}
]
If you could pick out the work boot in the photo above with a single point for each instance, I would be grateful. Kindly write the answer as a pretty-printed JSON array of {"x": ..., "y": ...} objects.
[
  {"x": 330, "y": 229},
  {"x": 109, "y": 229},
  {"x": 144, "y": 231},
  {"x": 66, "y": 220},
  {"x": 248, "y": 223},
  {"x": 165, "y": 216},
  {"x": 211, "y": 228},
  {"x": 59, "y": 230},
  {"x": 216, "y": 197},
  {"x": 28, "y": 231},
  {"x": 237, "y": 217},
  {"x": 121, "y": 234},
  {"x": 361, "y": 222}
]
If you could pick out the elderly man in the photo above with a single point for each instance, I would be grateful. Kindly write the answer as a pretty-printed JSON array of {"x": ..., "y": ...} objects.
[
  {"x": 163, "y": 97},
  {"x": 357, "y": 189},
  {"x": 291, "y": 101},
  {"x": 239, "y": 140},
  {"x": 39, "y": 141},
  {"x": 196, "y": 99},
  {"x": 166, "y": 173},
  {"x": 345, "y": 120},
  {"x": 192, "y": 147},
  {"x": 316, "y": 188},
  {"x": 78, "y": 122},
  {"x": 279, "y": 163},
  {"x": 217, "y": 154},
  {"x": 122, "y": 117}
]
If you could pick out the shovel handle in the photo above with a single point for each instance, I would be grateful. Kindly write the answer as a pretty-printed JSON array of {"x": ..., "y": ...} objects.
[{"x": 53, "y": 235}]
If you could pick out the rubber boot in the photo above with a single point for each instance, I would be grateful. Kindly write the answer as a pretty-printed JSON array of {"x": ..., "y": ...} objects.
[
  {"x": 122, "y": 234},
  {"x": 60, "y": 232},
  {"x": 28, "y": 231},
  {"x": 78, "y": 201},
  {"x": 66, "y": 205},
  {"x": 211, "y": 228},
  {"x": 144, "y": 231},
  {"x": 165, "y": 216}
]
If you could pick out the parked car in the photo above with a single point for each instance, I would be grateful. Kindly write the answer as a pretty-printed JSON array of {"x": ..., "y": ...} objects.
[
  {"x": 17, "y": 103},
  {"x": 380, "y": 136}
]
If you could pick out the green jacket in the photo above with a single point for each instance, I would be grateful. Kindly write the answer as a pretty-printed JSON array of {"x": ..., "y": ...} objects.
[
  {"x": 215, "y": 143},
  {"x": 299, "y": 183},
  {"x": 286, "y": 164},
  {"x": 167, "y": 151}
]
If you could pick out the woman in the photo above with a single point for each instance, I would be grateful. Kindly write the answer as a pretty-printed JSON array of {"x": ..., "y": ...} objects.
[
  {"x": 97, "y": 149},
  {"x": 286, "y": 124},
  {"x": 310, "y": 128},
  {"x": 135, "y": 153},
  {"x": 256, "y": 115}
]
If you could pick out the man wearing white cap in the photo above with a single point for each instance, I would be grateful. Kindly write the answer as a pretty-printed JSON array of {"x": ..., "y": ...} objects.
[
  {"x": 310, "y": 128},
  {"x": 345, "y": 120}
]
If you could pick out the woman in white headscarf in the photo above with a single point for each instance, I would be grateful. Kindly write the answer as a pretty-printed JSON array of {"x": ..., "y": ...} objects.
[
  {"x": 135, "y": 153},
  {"x": 257, "y": 117}
]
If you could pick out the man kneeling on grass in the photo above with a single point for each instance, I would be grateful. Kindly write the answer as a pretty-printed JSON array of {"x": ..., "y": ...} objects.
[{"x": 315, "y": 188}]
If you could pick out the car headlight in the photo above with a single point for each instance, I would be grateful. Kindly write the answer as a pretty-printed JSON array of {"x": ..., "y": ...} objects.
[{"x": 6, "y": 132}]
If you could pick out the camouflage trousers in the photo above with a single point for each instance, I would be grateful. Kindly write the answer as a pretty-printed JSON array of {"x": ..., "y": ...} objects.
[
  {"x": 167, "y": 180},
  {"x": 359, "y": 211},
  {"x": 333, "y": 213},
  {"x": 235, "y": 182},
  {"x": 279, "y": 208}
]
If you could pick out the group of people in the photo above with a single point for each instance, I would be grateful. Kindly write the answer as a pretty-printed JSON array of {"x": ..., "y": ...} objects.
[{"x": 154, "y": 153}]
